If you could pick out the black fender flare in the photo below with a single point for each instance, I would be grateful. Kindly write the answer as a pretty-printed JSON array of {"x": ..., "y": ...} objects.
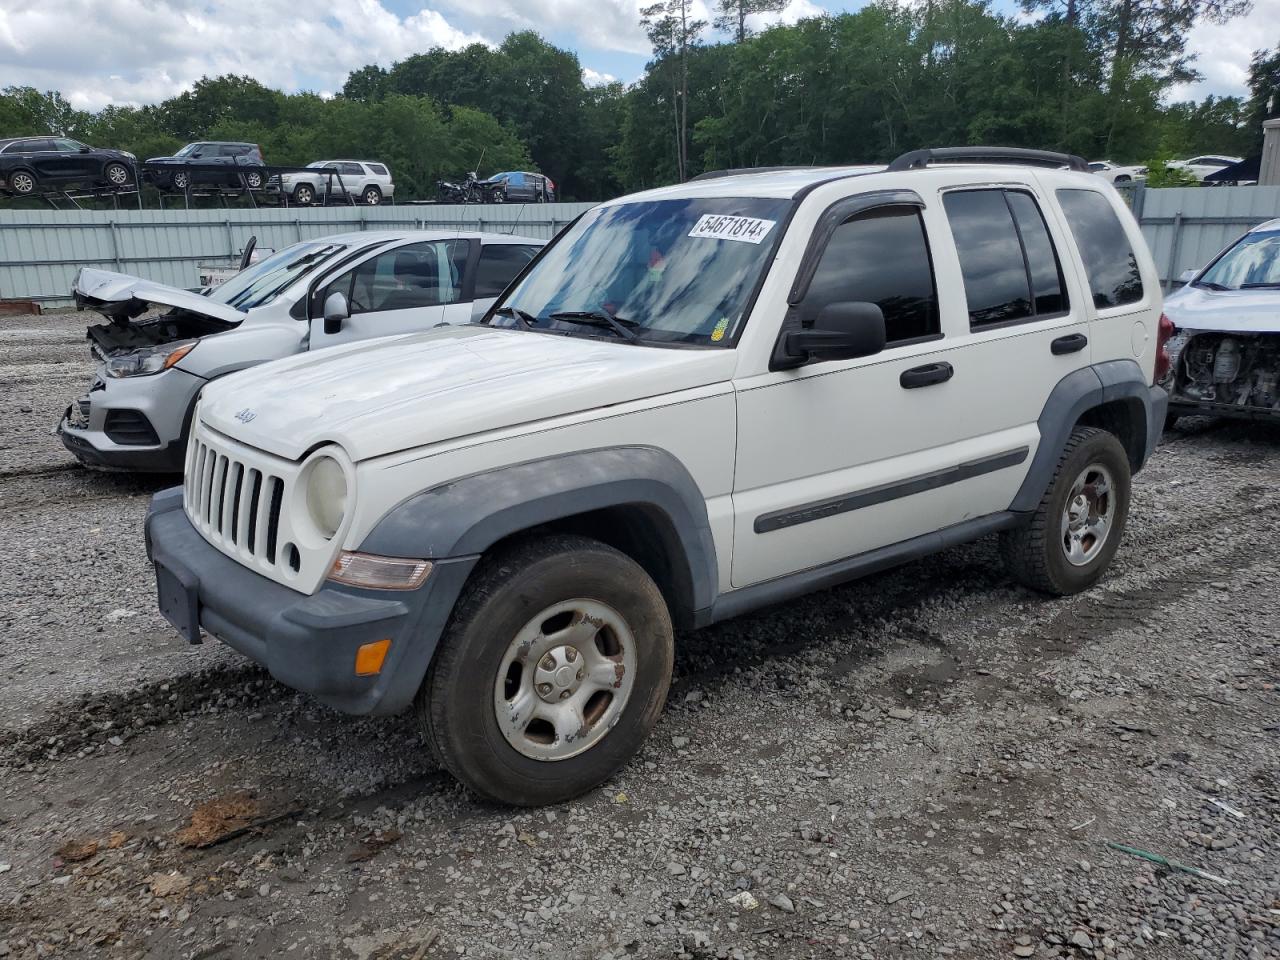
[
  {"x": 1075, "y": 395},
  {"x": 465, "y": 517}
]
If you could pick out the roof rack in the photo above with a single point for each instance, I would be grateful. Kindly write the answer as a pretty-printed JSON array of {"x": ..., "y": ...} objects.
[
  {"x": 739, "y": 171},
  {"x": 919, "y": 159}
]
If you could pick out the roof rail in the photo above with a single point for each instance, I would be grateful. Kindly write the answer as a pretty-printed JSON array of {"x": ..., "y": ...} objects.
[
  {"x": 919, "y": 159},
  {"x": 740, "y": 171}
]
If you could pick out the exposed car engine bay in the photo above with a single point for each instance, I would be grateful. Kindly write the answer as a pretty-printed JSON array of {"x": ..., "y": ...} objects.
[
  {"x": 123, "y": 333},
  {"x": 1240, "y": 370}
]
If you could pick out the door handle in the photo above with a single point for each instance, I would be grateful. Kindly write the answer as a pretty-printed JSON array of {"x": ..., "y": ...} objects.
[
  {"x": 1071, "y": 343},
  {"x": 925, "y": 376}
]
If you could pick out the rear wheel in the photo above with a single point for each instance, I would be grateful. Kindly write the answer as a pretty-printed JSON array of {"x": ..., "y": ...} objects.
[
  {"x": 1077, "y": 527},
  {"x": 22, "y": 182},
  {"x": 372, "y": 196},
  {"x": 553, "y": 670}
]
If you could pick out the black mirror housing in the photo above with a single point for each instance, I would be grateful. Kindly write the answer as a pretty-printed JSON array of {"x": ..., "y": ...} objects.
[
  {"x": 842, "y": 331},
  {"x": 335, "y": 311}
]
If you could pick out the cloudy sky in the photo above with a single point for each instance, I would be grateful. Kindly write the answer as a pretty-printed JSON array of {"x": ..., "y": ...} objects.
[{"x": 137, "y": 51}]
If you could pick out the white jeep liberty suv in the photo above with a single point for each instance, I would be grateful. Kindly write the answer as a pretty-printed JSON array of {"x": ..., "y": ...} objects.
[{"x": 696, "y": 401}]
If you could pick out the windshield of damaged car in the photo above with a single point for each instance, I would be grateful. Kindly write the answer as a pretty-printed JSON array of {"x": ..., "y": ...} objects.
[
  {"x": 261, "y": 283},
  {"x": 670, "y": 271},
  {"x": 1253, "y": 262}
]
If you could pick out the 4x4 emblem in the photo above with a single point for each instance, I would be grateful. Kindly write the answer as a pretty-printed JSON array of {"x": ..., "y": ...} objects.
[{"x": 245, "y": 415}]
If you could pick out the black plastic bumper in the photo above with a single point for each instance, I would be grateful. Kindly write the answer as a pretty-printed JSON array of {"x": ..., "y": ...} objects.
[
  {"x": 306, "y": 642},
  {"x": 1156, "y": 411}
]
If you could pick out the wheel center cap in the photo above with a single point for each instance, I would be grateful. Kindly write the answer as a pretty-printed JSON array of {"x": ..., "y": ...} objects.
[
  {"x": 559, "y": 673},
  {"x": 564, "y": 676}
]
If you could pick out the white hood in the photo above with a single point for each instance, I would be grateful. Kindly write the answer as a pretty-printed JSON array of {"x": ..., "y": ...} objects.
[
  {"x": 1228, "y": 311},
  {"x": 108, "y": 288},
  {"x": 381, "y": 396}
]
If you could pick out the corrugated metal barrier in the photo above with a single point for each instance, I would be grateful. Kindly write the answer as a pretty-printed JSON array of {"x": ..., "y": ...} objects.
[{"x": 41, "y": 250}]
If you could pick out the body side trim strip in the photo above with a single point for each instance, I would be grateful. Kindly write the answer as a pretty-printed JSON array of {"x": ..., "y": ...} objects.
[{"x": 870, "y": 497}]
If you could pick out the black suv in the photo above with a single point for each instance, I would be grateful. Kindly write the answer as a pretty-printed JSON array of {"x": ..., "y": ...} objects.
[
  {"x": 28, "y": 164},
  {"x": 244, "y": 161}
]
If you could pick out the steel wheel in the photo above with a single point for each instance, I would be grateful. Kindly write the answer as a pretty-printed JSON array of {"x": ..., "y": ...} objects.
[
  {"x": 1087, "y": 516},
  {"x": 565, "y": 680},
  {"x": 22, "y": 182},
  {"x": 117, "y": 174}
]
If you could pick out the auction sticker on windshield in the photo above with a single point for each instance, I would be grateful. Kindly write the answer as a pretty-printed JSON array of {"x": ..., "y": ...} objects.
[{"x": 713, "y": 226}]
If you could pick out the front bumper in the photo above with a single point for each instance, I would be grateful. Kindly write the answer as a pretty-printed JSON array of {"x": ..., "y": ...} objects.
[
  {"x": 165, "y": 400},
  {"x": 308, "y": 643}
]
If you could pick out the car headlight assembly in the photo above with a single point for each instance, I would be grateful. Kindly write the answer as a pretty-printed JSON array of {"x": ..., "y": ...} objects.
[
  {"x": 326, "y": 495},
  {"x": 147, "y": 361}
]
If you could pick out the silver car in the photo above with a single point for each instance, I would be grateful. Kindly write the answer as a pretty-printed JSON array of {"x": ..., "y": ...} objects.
[
  {"x": 368, "y": 182},
  {"x": 163, "y": 344}
]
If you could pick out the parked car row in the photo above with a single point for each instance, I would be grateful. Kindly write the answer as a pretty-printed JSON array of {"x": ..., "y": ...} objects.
[
  {"x": 1199, "y": 167},
  {"x": 693, "y": 402}
]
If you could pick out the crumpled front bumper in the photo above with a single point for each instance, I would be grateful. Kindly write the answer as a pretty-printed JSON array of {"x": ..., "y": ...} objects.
[{"x": 306, "y": 642}]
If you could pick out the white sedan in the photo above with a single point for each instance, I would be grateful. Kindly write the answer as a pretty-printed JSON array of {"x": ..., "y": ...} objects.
[{"x": 1201, "y": 166}]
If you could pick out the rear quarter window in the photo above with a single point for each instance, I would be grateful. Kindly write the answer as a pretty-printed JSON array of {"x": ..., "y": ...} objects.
[
  {"x": 378, "y": 169},
  {"x": 1109, "y": 260}
]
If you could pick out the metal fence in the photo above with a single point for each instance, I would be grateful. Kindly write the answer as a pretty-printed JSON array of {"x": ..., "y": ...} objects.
[{"x": 41, "y": 250}]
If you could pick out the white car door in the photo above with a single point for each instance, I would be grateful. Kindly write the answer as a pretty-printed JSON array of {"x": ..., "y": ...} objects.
[{"x": 401, "y": 289}]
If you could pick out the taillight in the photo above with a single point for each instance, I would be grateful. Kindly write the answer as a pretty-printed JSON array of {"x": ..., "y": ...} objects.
[{"x": 1164, "y": 333}]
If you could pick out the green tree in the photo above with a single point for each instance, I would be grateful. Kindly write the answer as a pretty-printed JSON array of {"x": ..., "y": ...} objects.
[{"x": 732, "y": 16}]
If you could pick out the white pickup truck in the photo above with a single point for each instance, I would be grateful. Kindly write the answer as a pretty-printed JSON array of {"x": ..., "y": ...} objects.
[{"x": 696, "y": 401}]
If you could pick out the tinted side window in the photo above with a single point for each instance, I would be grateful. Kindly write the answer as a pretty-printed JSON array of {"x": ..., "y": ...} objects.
[
  {"x": 498, "y": 266},
  {"x": 1108, "y": 258},
  {"x": 378, "y": 169},
  {"x": 351, "y": 169},
  {"x": 881, "y": 257},
  {"x": 1042, "y": 260},
  {"x": 995, "y": 274}
]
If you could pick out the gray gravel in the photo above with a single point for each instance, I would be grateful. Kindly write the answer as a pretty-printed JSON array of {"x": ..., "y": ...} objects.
[{"x": 927, "y": 763}]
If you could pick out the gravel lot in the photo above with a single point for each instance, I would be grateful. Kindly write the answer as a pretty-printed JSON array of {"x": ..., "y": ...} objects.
[{"x": 926, "y": 763}]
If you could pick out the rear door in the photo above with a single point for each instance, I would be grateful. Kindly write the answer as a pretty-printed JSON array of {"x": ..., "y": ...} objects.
[{"x": 400, "y": 289}]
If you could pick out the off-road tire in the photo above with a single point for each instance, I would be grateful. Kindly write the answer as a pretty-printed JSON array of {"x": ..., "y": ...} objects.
[
  {"x": 457, "y": 699},
  {"x": 1033, "y": 552}
]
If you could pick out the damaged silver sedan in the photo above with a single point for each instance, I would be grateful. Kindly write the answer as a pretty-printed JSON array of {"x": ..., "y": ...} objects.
[{"x": 1226, "y": 352}]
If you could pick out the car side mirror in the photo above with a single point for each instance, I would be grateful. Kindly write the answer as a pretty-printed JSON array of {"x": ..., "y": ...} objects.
[
  {"x": 1187, "y": 275},
  {"x": 335, "y": 311},
  {"x": 842, "y": 331},
  {"x": 83, "y": 148}
]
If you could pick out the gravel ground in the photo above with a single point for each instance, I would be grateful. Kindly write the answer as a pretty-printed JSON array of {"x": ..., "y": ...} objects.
[{"x": 926, "y": 763}]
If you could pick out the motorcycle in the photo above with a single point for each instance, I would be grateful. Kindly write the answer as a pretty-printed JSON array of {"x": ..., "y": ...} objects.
[{"x": 471, "y": 190}]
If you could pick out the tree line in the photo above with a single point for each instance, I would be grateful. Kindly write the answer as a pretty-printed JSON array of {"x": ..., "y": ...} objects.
[{"x": 1085, "y": 76}]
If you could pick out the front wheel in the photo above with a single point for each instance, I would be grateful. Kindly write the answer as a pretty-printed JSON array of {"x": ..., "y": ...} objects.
[
  {"x": 181, "y": 181},
  {"x": 1077, "y": 527},
  {"x": 304, "y": 194},
  {"x": 254, "y": 179},
  {"x": 553, "y": 669},
  {"x": 117, "y": 174}
]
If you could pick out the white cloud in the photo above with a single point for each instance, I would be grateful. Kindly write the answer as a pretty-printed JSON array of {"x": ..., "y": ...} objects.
[
  {"x": 594, "y": 78},
  {"x": 612, "y": 25},
  {"x": 793, "y": 12},
  {"x": 141, "y": 51},
  {"x": 1224, "y": 50}
]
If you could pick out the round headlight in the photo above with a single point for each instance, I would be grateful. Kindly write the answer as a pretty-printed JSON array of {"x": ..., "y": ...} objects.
[{"x": 326, "y": 495}]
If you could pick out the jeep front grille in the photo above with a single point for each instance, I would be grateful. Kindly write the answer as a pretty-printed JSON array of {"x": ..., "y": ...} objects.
[{"x": 234, "y": 504}]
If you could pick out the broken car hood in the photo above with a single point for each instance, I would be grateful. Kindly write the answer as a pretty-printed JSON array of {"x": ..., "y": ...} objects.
[
  {"x": 382, "y": 396},
  {"x": 118, "y": 295},
  {"x": 1228, "y": 311}
]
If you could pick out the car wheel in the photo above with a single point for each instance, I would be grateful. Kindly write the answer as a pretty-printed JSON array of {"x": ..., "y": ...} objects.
[
  {"x": 117, "y": 174},
  {"x": 552, "y": 672},
  {"x": 1077, "y": 527},
  {"x": 253, "y": 179},
  {"x": 22, "y": 182},
  {"x": 304, "y": 194},
  {"x": 498, "y": 196},
  {"x": 1123, "y": 178},
  {"x": 372, "y": 196},
  {"x": 181, "y": 181}
]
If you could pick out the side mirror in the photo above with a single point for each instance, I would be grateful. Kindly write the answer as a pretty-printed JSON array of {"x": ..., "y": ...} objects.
[
  {"x": 842, "y": 331},
  {"x": 1187, "y": 275},
  {"x": 83, "y": 148},
  {"x": 335, "y": 311}
]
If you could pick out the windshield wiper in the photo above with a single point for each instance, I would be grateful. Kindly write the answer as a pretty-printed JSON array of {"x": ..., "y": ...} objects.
[
  {"x": 1259, "y": 286},
  {"x": 1209, "y": 285},
  {"x": 527, "y": 319},
  {"x": 600, "y": 318}
]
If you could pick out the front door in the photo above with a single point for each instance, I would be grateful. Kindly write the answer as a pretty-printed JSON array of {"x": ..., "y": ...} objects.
[{"x": 403, "y": 289}]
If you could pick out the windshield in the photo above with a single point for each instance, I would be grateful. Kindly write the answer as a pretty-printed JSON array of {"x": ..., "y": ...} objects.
[
  {"x": 675, "y": 271},
  {"x": 188, "y": 149},
  {"x": 1253, "y": 262},
  {"x": 262, "y": 282}
]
